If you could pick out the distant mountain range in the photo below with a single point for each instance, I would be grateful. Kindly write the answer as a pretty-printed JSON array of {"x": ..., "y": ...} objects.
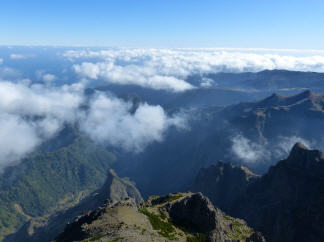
[
  {"x": 272, "y": 80},
  {"x": 301, "y": 114},
  {"x": 227, "y": 88}
]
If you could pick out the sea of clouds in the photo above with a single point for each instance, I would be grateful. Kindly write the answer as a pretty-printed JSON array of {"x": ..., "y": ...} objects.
[
  {"x": 33, "y": 111},
  {"x": 167, "y": 69}
]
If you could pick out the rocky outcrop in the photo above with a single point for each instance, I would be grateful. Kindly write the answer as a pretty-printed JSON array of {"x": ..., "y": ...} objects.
[
  {"x": 118, "y": 189},
  {"x": 178, "y": 217},
  {"x": 285, "y": 204},
  {"x": 111, "y": 222},
  {"x": 223, "y": 182},
  {"x": 197, "y": 214}
]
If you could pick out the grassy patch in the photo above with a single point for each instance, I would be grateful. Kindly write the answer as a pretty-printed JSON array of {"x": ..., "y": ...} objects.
[
  {"x": 240, "y": 230},
  {"x": 156, "y": 200},
  {"x": 198, "y": 237},
  {"x": 174, "y": 197},
  {"x": 164, "y": 228}
]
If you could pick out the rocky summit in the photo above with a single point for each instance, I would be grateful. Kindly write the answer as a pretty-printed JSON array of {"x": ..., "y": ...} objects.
[{"x": 174, "y": 217}]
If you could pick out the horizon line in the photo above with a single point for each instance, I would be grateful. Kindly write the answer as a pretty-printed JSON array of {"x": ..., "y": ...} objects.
[{"x": 172, "y": 48}]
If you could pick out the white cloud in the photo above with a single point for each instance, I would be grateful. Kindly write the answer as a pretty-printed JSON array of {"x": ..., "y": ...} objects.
[
  {"x": 168, "y": 68},
  {"x": 285, "y": 144},
  {"x": 38, "y": 100},
  {"x": 30, "y": 114},
  {"x": 33, "y": 113},
  {"x": 17, "y": 56},
  {"x": 110, "y": 120},
  {"x": 207, "y": 82},
  {"x": 48, "y": 78},
  {"x": 18, "y": 137},
  {"x": 1, "y": 61},
  {"x": 248, "y": 151},
  {"x": 145, "y": 76}
]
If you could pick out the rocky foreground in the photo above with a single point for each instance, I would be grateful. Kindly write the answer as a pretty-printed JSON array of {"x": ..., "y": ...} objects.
[{"x": 176, "y": 217}]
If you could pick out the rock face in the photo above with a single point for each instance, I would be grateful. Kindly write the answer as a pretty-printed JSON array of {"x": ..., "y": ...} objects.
[
  {"x": 197, "y": 214},
  {"x": 118, "y": 189},
  {"x": 178, "y": 217},
  {"x": 223, "y": 182},
  {"x": 285, "y": 204},
  {"x": 43, "y": 229}
]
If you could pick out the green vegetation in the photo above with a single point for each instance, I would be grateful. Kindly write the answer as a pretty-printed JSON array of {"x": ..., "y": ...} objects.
[
  {"x": 240, "y": 230},
  {"x": 164, "y": 228},
  {"x": 174, "y": 197},
  {"x": 153, "y": 197},
  {"x": 166, "y": 199},
  {"x": 115, "y": 239},
  {"x": 198, "y": 237},
  {"x": 46, "y": 177}
]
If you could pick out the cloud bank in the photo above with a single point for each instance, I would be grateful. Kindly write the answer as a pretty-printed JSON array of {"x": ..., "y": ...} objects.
[
  {"x": 110, "y": 120},
  {"x": 33, "y": 113},
  {"x": 168, "y": 69},
  {"x": 250, "y": 152},
  {"x": 30, "y": 114}
]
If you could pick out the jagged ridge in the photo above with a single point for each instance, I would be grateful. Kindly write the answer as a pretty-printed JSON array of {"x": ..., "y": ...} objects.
[
  {"x": 180, "y": 217},
  {"x": 286, "y": 204}
]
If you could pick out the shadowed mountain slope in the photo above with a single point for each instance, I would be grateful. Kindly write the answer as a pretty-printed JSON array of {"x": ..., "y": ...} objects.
[
  {"x": 285, "y": 204},
  {"x": 57, "y": 175},
  {"x": 44, "y": 228}
]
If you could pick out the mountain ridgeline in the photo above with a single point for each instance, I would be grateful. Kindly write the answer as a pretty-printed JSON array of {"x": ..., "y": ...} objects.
[
  {"x": 174, "y": 217},
  {"x": 285, "y": 204},
  {"x": 66, "y": 190}
]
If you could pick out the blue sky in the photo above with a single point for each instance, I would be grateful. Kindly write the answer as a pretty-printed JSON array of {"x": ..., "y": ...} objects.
[{"x": 294, "y": 24}]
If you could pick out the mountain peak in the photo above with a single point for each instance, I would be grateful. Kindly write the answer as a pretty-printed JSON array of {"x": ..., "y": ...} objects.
[
  {"x": 118, "y": 189},
  {"x": 111, "y": 172},
  {"x": 307, "y": 94},
  {"x": 299, "y": 146},
  {"x": 302, "y": 157}
]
